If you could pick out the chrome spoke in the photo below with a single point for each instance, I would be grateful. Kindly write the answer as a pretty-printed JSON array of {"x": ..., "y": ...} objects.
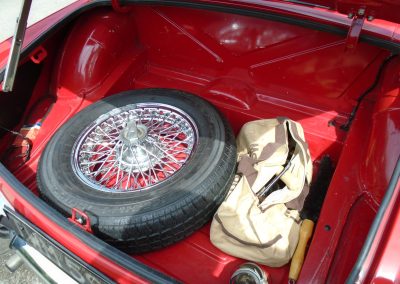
[{"x": 134, "y": 147}]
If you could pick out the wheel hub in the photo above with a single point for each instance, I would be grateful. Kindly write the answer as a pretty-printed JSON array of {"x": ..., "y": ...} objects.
[
  {"x": 133, "y": 133},
  {"x": 134, "y": 147},
  {"x": 136, "y": 153}
]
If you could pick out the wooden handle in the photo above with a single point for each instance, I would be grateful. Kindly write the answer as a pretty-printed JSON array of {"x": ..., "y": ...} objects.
[{"x": 306, "y": 230}]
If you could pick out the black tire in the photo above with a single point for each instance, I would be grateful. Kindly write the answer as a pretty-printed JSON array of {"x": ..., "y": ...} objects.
[{"x": 142, "y": 221}]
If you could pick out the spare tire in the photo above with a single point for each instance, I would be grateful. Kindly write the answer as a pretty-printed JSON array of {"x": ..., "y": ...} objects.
[{"x": 149, "y": 167}]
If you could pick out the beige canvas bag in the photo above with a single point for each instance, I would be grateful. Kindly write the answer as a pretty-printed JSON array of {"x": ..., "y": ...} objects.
[{"x": 259, "y": 220}]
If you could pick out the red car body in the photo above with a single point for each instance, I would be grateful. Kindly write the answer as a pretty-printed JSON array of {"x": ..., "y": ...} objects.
[{"x": 94, "y": 62}]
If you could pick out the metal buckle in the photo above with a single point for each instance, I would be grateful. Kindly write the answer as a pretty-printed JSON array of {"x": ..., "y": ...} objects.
[{"x": 81, "y": 219}]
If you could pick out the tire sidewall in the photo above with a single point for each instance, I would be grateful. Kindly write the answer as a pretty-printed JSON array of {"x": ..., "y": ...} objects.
[{"x": 63, "y": 187}]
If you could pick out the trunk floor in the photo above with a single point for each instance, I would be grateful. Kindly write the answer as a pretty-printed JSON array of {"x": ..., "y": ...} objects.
[{"x": 195, "y": 259}]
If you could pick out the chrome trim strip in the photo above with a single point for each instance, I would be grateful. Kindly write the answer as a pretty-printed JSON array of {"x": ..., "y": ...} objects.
[
  {"x": 15, "y": 50},
  {"x": 41, "y": 265}
]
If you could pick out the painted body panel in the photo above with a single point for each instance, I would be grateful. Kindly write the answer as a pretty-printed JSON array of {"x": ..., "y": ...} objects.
[{"x": 249, "y": 68}]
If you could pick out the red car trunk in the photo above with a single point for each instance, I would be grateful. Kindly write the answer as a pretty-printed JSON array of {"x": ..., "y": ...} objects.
[{"x": 250, "y": 68}]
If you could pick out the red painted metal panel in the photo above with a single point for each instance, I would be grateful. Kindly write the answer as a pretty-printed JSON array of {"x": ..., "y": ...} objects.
[
  {"x": 87, "y": 59},
  {"x": 379, "y": 28},
  {"x": 249, "y": 68},
  {"x": 385, "y": 266},
  {"x": 271, "y": 57},
  {"x": 380, "y": 157},
  {"x": 350, "y": 247}
]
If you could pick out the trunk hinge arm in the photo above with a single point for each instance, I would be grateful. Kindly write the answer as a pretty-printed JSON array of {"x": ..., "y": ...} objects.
[{"x": 356, "y": 27}]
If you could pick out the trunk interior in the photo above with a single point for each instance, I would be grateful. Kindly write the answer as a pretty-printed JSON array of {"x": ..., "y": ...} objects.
[{"x": 249, "y": 68}]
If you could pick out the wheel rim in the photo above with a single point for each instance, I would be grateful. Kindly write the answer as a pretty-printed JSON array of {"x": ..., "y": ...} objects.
[{"x": 134, "y": 148}]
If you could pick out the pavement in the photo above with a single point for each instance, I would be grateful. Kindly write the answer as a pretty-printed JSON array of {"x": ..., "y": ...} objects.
[
  {"x": 9, "y": 11},
  {"x": 23, "y": 275}
]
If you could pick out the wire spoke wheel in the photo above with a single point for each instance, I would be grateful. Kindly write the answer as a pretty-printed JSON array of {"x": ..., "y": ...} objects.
[
  {"x": 148, "y": 167},
  {"x": 134, "y": 147}
]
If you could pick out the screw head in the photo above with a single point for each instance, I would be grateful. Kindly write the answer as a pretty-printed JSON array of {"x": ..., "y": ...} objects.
[
  {"x": 361, "y": 11},
  {"x": 370, "y": 18}
]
